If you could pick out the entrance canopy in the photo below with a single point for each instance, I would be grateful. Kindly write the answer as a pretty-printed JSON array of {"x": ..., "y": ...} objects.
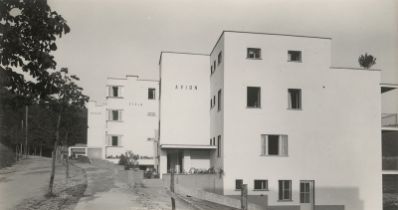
[{"x": 187, "y": 146}]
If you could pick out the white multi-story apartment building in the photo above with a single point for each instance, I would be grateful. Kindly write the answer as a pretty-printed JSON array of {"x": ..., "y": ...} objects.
[
  {"x": 266, "y": 110},
  {"x": 281, "y": 119},
  {"x": 128, "y": 121}
]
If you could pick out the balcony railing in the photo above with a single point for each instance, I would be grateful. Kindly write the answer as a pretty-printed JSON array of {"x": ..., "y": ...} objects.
[
  {"x": 390, "y": 163},
  {"x": 389, "y": 120}
]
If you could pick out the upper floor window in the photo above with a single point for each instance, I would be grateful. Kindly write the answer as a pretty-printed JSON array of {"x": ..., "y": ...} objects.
[
  {"x": 260, "y": 184},
  {"x": 219, "y": 58},
  {"x": 115, "y": 115},
  {"x": 285, "y": 190},
  {"x": 274, "y": 145},
  {"x": 151, "y": 93},
  {"x": 219, "y": 100},
  {"x": 114, "y": 91},
  {"x": 211, "y": 69},
  {"x": 294, "y": 100},
  {"x": 294, "y": 56},
  {"x": 254, "y": 53},
  {"x": 219, "y": 146},
  {"x": 214, "y": 66},
  {"x": 253, "y": 97}
]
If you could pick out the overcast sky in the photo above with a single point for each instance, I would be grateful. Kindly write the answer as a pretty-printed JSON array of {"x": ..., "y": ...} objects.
[{"x": 119, "y": 37}]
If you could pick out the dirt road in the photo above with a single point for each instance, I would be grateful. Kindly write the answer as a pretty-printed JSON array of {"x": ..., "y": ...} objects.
[{"x": 112, "y": 187}]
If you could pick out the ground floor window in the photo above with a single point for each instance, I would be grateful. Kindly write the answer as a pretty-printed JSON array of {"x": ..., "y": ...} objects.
[
  {"x": 285, "y": 190},
  {"x": 260, "y": 184},
  {"x": 238, "y": 184},
  {"x": 114, "y": 141}
]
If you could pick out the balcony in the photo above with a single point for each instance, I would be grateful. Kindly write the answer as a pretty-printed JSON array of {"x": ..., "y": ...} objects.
[{"x": 389, "y": 121}]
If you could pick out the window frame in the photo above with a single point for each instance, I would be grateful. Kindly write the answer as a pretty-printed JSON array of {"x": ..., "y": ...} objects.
[
  {"x": 111, "y": 89},
  {"x": 260, "y": 189},
  {"x": 110, "y": 140},
  {"x": 151, "y": 92},
  {"x": 238, "y": 186},
  {"x": 219, "y": 146},
  {"x": 282, "y": 190},
  {"x": 259, "y": 97},
  {"x": 219, "y": 58},
  {"x": 300, "y": 56},
  {"x": 111, "y": 116},
  {"x": 283, "y": 145},
  {"x": 290, "y": 104},
  {"x": 219, "y": 100},
  {"x": 248, "y": 49}
]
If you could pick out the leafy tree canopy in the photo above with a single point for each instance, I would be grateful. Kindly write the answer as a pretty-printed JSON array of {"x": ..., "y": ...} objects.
[{"x": 28, "y": 31}]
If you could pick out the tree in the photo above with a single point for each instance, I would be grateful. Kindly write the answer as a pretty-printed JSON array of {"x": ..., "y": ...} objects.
[
  {"x": 68, "y": 96},
  {"x": 28, "y": 31},
  {"x": 366, "y": 61}
]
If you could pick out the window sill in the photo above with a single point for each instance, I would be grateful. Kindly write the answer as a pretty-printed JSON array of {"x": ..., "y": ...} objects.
[
  {"x": 274, "y": 155},
  {"x": 294, "y": 61},
  {"x": 258, "y": 190},
  {"x": 290, "y": 200},
  {"x": 253, "y": 107},
  {"x": 295, "y": 109},
  {"x": 115, "y": 146},
  {"x": 118, "y": 97},
  {"x": 118, "y": 121},
  {"x": 253, "y": 58}
]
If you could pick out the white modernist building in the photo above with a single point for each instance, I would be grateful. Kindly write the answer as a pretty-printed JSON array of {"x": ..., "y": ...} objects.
[
  {"x": 281, "y": 119},
  {"x": 266, "y": 110},
  {"x": 128, "y": 121}
]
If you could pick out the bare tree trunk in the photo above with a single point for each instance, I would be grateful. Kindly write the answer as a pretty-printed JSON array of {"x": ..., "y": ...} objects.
[
  {"x": 67, "y": 156},
  {"x": 50, "y": 187},
  {"x": 41, "y": 146}
]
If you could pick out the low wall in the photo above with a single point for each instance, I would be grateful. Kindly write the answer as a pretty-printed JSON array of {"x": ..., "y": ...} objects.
[
  {"x": 215, "y": 198},
  {"x": 205, "y": 182},
  {"x": 203, "y": 186}
]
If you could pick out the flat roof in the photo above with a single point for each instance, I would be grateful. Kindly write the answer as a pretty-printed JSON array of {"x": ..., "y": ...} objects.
[
  {"x": 186, "y": 146},
  {"x": 385, "y": 87}
]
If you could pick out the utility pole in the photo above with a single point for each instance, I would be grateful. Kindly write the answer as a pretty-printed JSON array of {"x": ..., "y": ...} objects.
[{"x": 26, "y": 131}]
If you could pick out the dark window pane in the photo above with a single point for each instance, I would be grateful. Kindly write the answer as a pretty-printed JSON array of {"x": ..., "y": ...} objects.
[
  {"x": 115, "y": 115},
  {"x": 294, "y": 55},
  {"x": 114, "y": 141},
  {"x": 151, "y": 93},
  {"x": 253, "y": 97},
  {"x": 238, "y": 184},
  {"x": 115, "y": 91},
  {"x": 273, "y": 145}
]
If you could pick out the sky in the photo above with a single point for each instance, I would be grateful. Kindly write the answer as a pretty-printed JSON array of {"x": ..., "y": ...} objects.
[{"x": 119, "y": 37}]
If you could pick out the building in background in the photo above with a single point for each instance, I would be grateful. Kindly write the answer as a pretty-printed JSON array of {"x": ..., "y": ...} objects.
[{"x": 128, "y": 121}]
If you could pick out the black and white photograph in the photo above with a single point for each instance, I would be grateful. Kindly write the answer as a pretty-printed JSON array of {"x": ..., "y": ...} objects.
[{"x": 198, "y": 105}]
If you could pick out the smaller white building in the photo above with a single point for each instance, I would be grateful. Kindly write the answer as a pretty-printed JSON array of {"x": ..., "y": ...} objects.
[{"x": 128, "y": 121}]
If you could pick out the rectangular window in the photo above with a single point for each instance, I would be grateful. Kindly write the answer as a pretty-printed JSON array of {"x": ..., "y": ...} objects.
[
  {"x": 253, "y": 53},
  {"x": 274, "y": 145},
  {"x": 211, "y": 142},
  {"x": 219, "y": 146},
  {"x": 253, "y": 97},
  {"x": 214, "y": 66},
  {"x": 115, "y": 115},
  {"x": 151, "y": 93},
  {"x": 294, "y": 56},
  {"x": 219, "y": 100},
  {"x": 260, "y": 184},
  {"x": 114, "y": 91},
  {"x": 285, "y": 190},
  {"x": 211, "y": 69},
  {"x": 214, "y": 100},
  {"x": 305, "y": 192},
  {"x": 238, "y": 184},
  {"x": 114, "y": 141},
  {"x": 219, "y": 58},
  {"x": 294, "y": 100}
]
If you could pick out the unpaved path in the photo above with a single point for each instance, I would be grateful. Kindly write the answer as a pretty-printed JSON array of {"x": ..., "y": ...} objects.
[
  {"x": 112, "y": 187},
  {"x": 24, "y": 185}
]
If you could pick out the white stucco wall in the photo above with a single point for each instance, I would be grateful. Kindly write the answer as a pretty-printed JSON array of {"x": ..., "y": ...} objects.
[
  {"x": 96, "y": 116},
  {"x": 184, "y": 107},
  {"x": 334, "y": 139}
]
